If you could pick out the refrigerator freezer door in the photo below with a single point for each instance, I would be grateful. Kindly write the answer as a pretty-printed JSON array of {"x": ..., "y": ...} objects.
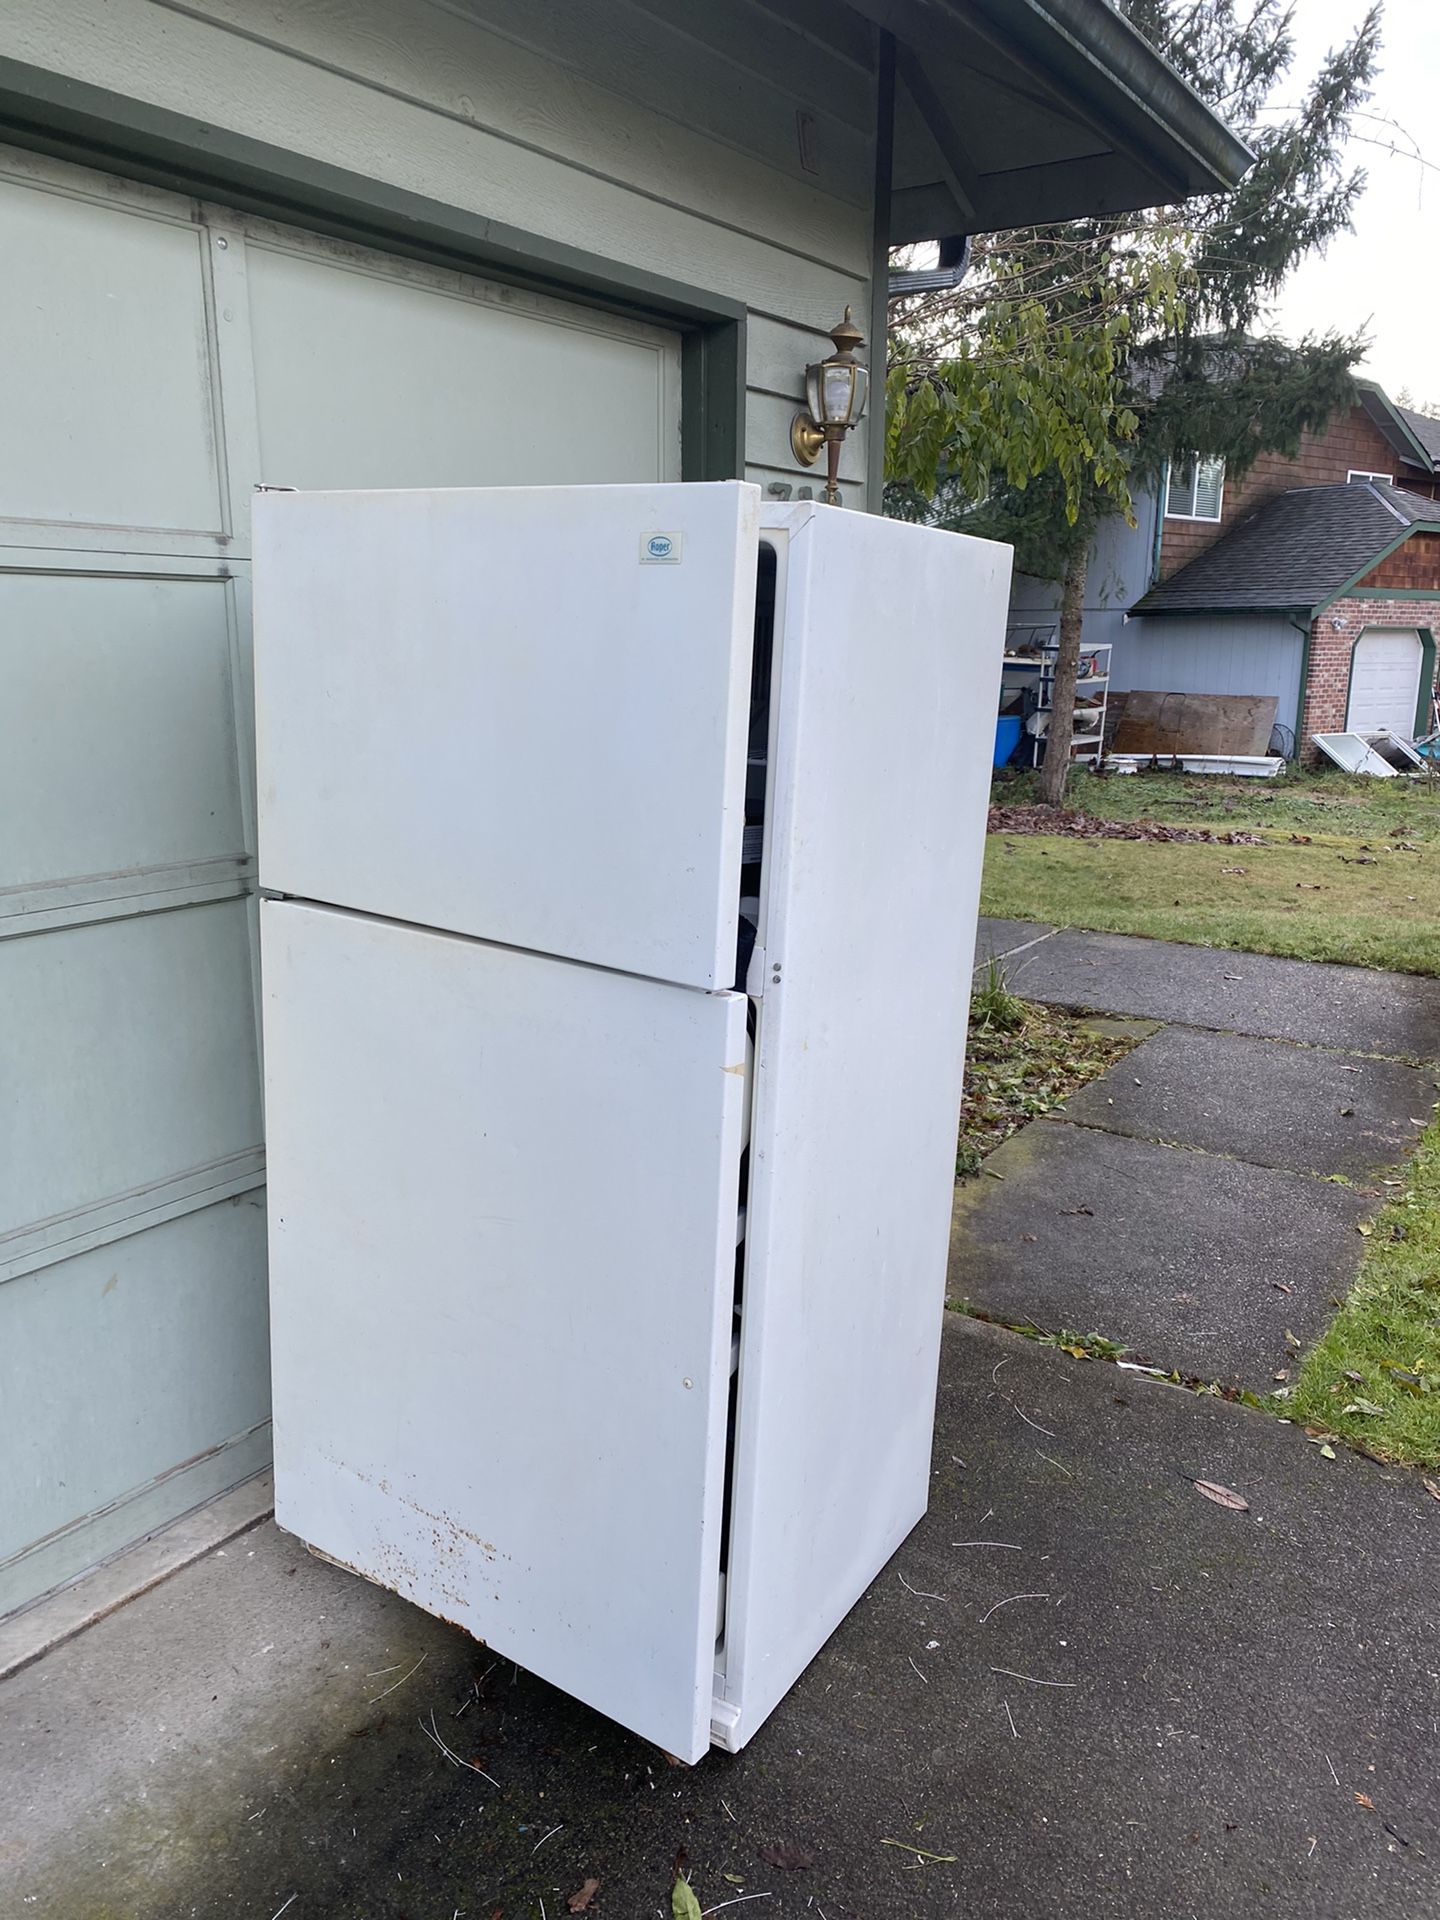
[
  {"x": 502, "y": 1251},
  {"x": 889, "y": 665},
  {"x": 518, "y": 713}
]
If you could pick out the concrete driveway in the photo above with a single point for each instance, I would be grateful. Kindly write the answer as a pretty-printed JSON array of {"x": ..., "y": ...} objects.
[{"x": 1081, "y": 1687}]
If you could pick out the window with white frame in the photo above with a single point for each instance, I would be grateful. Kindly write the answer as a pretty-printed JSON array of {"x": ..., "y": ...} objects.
[
  {"x": 1194, "y": 488},
  {"x": 1354, "y": 476}
]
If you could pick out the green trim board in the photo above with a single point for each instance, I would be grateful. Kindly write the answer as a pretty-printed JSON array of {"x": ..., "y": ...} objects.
[
  {"x": 1398, "y": 593},
  {"x": 92, "y": 126},
  {"x": 1427, "y": 681},
  {"x": 880, "y": 269},
  {"x": 1387, "y": 406}
]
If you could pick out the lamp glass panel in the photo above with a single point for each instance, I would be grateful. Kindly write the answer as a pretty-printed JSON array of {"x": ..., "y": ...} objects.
[
  {"x": 812, "y": 392},
  {"x": 838, "y": 397},
  {"x": 862, "y": 389}
]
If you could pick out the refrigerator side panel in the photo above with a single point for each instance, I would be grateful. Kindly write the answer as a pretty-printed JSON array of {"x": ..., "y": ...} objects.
[
  {"x": 502, "y": 1252},
  {"x": 888, "y": 680},
  {"x": 517, "y": 713}
]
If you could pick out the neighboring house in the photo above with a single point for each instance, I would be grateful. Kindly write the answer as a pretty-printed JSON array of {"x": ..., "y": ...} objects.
[
  {"x": 1316, "y": 578},
  {"x": 385, "y": 243}
]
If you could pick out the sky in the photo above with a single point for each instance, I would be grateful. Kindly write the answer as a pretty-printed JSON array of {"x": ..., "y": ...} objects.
[{"x": 1383, "y": 277}]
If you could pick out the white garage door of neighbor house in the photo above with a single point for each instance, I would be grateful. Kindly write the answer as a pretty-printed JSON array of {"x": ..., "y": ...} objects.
[
  {"x": 161, "y": 358},
  {"x": 1384, "y": 681}
]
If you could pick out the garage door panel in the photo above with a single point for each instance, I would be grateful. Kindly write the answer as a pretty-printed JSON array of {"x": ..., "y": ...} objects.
[
  {"x": 164, "y": 1343},
  {"x": 152, "y": 345},
  {"x": 1385, "y": 680},
  {"x": 117, "y": 726},
  {"x": 364, "y": 380},
  {"x": 105, "y": 381},
  {"x": 127, "y": 1055}
]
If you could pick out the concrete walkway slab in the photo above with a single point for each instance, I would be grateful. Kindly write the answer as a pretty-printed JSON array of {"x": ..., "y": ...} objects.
[
  {"x": 1353, "y": 1008},
  {"x": 1197, "y": 1262},
  {"x": 1179, "y": 1719},
  {"x": 996, "y": 938},
  {"x": 1266, "y": 1101}
]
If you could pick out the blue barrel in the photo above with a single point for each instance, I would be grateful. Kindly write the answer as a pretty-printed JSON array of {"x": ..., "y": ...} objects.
[{"x": 1007, "y": 736}]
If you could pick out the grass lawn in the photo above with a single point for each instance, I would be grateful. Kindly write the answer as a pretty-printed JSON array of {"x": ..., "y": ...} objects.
[
  {"x": 1326, "y": 801},
  {"x": 1359, "y": 881},
  {"x": 1374, "y": 1377}
]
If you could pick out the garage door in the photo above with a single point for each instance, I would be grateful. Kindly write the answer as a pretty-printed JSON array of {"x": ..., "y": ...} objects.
[
  {"x": 1384, "y": 681},
  {"x": 160, "y": 359}
]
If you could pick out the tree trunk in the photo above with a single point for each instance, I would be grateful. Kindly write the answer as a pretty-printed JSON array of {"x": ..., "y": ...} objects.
[{"x": 1056, "y": 765}]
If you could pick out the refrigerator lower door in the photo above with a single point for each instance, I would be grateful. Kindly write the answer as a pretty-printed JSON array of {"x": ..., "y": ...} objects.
[
  {"x": 888, "y": 663},
  {"x": 502, "y": 1196}
]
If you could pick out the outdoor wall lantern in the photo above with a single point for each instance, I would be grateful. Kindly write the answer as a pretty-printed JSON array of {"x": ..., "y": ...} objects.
[{"x": 835, "y": 391}]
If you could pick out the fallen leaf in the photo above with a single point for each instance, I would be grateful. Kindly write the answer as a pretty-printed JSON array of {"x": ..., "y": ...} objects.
[
  {"x": 1223, "y": 1496},
  {"x": 1364, "y": 1800},
  {"x": 787, "y": 1857},
  {"x": 1366, "y": 1228},
  {"x": 578, "y": 1902},
  {"x": 1234, "y": 870},
  {"x": 683, "y": 1904},
  {"x": 734, "y": 1879},
  {"x": 1355, "y": 1379},
  {"x": 1364, "y": 1406},
  {"x": 1282, "y": 1286},
  {"x": 1327, "y": 1452},
  {"x": 1089, "y": 1210},
  {"x": 1283, "y": 1374},
  {"x": 1432, "y": 1487}
]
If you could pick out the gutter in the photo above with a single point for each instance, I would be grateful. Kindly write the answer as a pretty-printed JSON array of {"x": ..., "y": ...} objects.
[
  {"x": 953, "y": 267},
  {"x": 1103, "y": 46}
]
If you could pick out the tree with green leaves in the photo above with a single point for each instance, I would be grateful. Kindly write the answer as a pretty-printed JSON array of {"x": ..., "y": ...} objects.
[{"x": 1074, "y": 360}]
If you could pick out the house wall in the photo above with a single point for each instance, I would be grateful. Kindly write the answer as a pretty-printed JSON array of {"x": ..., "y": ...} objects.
[
  {"x": 1351, "y": 443},
  {"x": 665, "y": 137},
  {"x": 1332, "y": 642},
  {"x": 161, "y": 353},
  {"x": 1119, "y": 572},
  {"x": 1213, "y": 653}
]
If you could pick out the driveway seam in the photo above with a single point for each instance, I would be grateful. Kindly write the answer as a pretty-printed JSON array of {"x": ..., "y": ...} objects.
[
  {"x": 1058, "y": 1118},
  {"x": 1084, "y": 1011}
]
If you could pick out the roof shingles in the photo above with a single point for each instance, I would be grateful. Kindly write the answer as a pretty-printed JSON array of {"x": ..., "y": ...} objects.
[{"x": 1295, "y": 552}]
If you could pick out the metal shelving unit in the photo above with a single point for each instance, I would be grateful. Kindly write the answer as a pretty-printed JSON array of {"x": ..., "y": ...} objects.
[{"x": 1032, "y": 674}]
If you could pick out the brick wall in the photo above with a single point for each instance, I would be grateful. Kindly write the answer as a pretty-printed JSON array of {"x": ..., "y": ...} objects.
[
  {"x": 1351, "y": 443},
  {"x": 1332, "y": 640}
]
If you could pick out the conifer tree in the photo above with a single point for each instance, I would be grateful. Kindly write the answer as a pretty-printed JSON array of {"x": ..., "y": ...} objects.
[{"x": 1075, "y": 360}]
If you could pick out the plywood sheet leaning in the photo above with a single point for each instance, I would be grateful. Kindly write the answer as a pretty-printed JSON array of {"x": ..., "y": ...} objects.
[{"x": 1214, "y": 723}]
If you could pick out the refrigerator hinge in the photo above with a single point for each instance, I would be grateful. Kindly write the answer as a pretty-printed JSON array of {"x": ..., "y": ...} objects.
[
  {"x": 724, "y": 1722},
  {"x": 762, "y": 972}
]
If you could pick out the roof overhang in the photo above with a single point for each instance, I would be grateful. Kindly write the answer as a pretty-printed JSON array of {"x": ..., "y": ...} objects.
[
  {"x": 1392, "y": 423},
  {"x": 1015, "y": 112}
]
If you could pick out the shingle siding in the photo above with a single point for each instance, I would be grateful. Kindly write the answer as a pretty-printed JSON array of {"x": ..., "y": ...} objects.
[{"x": 1350, "y": 444}]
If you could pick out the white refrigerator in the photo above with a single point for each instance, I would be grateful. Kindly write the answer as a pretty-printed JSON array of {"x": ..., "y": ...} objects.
[{"x": 620, "y": 850}]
